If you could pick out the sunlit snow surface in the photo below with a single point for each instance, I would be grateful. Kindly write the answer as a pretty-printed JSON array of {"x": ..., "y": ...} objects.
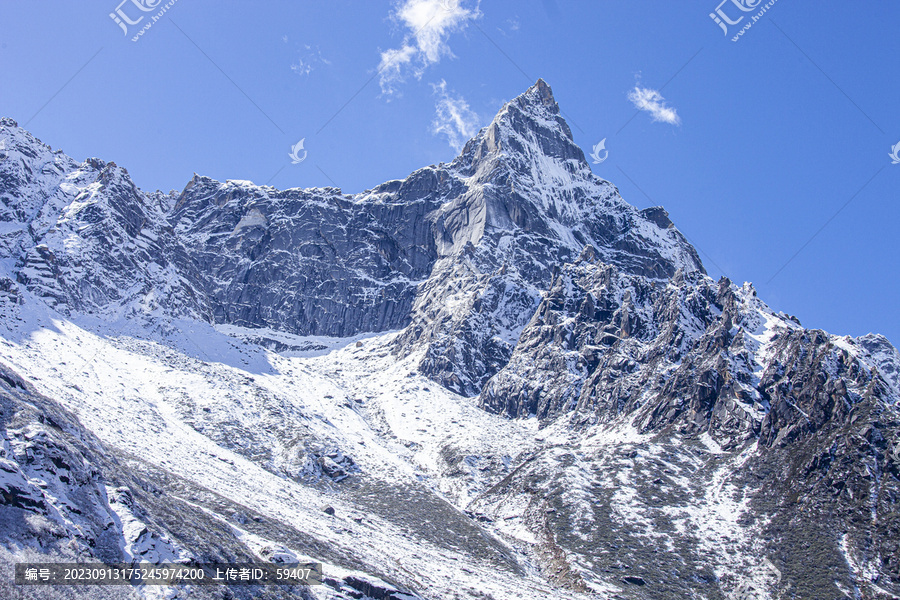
[
  {"x": 143, "y": 397},
  {"x": 211, "y": 406}
]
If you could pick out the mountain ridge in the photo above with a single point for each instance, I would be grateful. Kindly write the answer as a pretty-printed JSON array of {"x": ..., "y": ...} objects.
[{"x": 502, "y": 341}]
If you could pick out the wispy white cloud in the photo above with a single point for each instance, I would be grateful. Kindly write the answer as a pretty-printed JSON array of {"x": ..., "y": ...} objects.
[
  {"x": 429, "y": 24},
  {"x": 309, "y": 59},
  {"x": 453, "y": 117},
  {"x": 393, "y": 65},
  {"x": 512, "y": 26},
  {"x": 653, "y": 102}
]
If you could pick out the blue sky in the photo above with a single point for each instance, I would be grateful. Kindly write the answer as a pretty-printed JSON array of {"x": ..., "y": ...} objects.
[{"x": 771, "y": 153}]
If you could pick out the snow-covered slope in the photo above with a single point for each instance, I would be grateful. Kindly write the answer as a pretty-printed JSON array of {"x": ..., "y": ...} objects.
[{"x": 492, "y": 379}]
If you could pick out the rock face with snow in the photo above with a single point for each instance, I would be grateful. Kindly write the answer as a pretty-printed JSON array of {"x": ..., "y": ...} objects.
[
  {"x": 530, "y": 205},
  {"x": 496, "y": 364}
]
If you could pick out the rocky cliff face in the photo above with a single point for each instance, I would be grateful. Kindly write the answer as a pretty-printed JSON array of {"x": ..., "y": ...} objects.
[
  {"x": 531, "y": 205},
  {"x": 551, "y": 371}
]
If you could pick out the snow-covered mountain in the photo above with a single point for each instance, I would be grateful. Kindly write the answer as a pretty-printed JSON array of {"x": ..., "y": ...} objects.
[{"x": 492, "y": 379}]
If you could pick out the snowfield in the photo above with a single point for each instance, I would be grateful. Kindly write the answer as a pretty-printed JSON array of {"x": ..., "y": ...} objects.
[{"x": 153, "y": 399}]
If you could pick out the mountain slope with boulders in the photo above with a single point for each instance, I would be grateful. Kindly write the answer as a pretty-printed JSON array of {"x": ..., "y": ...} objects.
[{"x": 492, "y": 379}]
